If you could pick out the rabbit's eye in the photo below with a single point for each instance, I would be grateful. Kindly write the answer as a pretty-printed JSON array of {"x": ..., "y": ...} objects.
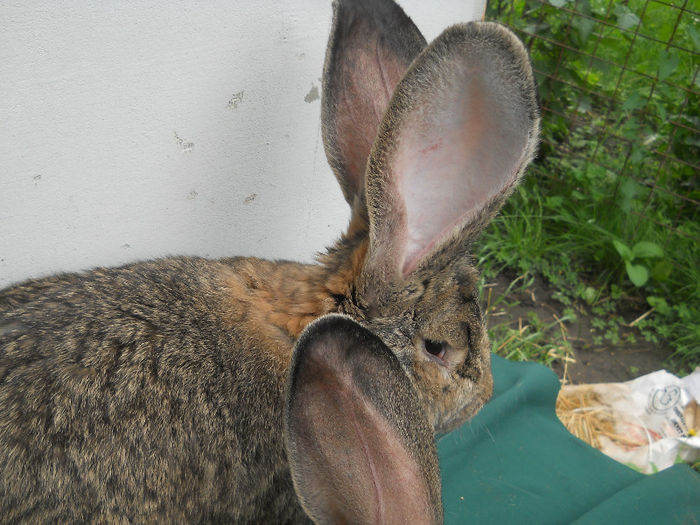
[{"x": 436, "y": 348}]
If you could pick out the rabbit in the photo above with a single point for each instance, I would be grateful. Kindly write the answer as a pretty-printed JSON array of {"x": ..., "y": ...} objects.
[{"x": 155, "y": 392}]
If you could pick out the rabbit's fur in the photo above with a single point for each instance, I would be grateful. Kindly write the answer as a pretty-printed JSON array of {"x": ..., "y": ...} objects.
[{"x": 156, "y": 391}]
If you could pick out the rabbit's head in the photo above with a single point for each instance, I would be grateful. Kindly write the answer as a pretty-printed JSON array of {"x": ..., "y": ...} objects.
[{"x": 427, "y": 142}]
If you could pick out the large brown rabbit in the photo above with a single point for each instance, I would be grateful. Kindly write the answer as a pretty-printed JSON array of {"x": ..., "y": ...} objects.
[{"x": 156, "y": 391}]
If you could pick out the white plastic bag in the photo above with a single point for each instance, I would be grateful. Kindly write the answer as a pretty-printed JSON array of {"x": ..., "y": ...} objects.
[{"x": 649, "y": 423}]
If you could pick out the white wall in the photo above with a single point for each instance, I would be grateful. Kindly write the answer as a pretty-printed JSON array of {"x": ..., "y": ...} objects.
[{"x": 130, "y": 132}]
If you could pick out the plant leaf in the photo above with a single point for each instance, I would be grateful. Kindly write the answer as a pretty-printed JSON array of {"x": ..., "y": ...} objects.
[
  {"x": 589, "y": 294},
  {"x": 623, "y": 250},
  {"x": 625, "y": 18},
  {"x": 668, "y": 62},
  {"x": 629, "y": 190},
  {"x": 638, "y": 274},
  {"x": 584, "y": 27},
  {"x": 634, "y": 101},
  {"x": 662, "y": 270},
  {"x": 694, "y": 35},
  {"x": 647, "y": 249},
  {"x": 660, "y": 304},
  {"x": 554, "y": 202}
]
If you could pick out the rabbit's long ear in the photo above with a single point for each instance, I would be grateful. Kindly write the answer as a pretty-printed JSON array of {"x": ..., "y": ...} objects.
[
  {"x": 461, "y": 128},
  {"x": 360, "y": 448},
  {"x": 371, "y": 45}
]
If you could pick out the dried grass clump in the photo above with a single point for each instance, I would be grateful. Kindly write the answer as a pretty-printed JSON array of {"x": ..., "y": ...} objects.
[{"x": 580, "y": 409}]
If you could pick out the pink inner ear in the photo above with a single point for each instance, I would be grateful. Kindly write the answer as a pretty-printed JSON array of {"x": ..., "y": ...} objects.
[
  {"x": 453, "y": 157},
  {"x": 361, "y": 107},
  {"x": 349, "y": 462},
  {"x": 362, "y": 470}
]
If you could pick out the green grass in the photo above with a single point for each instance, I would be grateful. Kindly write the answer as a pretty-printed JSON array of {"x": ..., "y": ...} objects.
[
  {"x": 527, "y": 338},
  {"x": 532, "y": 340},
  {"x": 578, "y": 259},
  {"x": 609, "y": 214}
]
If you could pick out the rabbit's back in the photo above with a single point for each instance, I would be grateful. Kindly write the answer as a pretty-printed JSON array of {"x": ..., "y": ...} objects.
[{"x": 140, "y": 393}]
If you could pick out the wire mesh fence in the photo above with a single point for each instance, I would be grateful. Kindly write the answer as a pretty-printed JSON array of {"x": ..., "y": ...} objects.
[
  {"x": 610, "y": 214},
  {"x": 619, "y": 84}
]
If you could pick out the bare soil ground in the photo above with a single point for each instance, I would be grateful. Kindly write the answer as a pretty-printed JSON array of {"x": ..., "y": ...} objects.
[{"x": 602, "y": 363}]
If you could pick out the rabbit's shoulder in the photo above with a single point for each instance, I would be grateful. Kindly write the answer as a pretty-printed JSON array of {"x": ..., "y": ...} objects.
[{"x": 188, "y": 306}]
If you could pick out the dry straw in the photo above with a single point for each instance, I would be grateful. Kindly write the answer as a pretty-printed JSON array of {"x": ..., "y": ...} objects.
[{"x": 584, "y": 415}]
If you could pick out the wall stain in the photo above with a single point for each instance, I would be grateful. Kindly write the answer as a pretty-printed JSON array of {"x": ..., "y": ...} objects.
[
  {"x": 192, "y": 195},
  {"x": 312, "y": 95},
  {"x": 235, "y": 100},
  {"x": 186, "y": 147},
  {"x": 250, "y": 198}
]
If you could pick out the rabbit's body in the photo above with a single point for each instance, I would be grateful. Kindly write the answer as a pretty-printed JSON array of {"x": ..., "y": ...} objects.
[
  {"x": 136, "y": 393},
  {"x": 162, "y": 392}
]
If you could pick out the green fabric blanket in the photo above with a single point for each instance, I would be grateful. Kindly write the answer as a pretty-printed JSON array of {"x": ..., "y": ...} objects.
[{"x": 516, "y": 463}]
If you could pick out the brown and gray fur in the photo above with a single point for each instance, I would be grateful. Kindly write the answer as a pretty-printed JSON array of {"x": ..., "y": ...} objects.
[{"x": 155, "y": 392}]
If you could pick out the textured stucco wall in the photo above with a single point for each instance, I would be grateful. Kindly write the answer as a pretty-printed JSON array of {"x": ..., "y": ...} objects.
[{"x": 131, "y": 132}]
